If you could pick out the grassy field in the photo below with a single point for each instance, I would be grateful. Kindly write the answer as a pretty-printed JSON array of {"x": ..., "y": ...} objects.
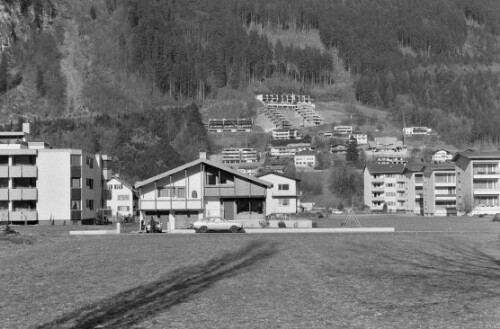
[{"x": 402, "y": 280}]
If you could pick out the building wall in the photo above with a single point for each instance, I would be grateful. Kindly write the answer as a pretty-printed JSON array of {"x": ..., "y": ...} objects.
[
  {"x": 54, "y": 185},
  {"x": 274, "y": 195},
  {"x": 94, "y": 192},
  {"x": 117, "y": 195}
]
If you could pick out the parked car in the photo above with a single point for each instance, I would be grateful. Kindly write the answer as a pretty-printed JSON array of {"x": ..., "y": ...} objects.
[
  {"x": 216, "y": 224},
  {"x": 154, "y": 226}
]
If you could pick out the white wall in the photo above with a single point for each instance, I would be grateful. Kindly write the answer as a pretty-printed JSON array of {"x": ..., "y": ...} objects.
[
  {"x": 275, "y": 194},
  {"x": 54, "y": 185},
  {"x": 114, "y": 203}
]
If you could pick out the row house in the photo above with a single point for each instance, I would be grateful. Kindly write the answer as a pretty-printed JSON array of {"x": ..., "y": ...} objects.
[
  {"x": 284, "y": 134},
  {"x": 288, "y": 150},
  {"x": 239, "y": 155},
  {"x": 229, "y": 125},
  {"x": 42, "y": 185}
]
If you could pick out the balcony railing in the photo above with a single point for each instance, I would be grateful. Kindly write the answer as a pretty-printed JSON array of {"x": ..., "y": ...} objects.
[
  {"x": 23, "y": 215},
  {"x": 23, "y": 193},
  {"x": 4, "y": 194},
  {"x": 23, "y": 171}
]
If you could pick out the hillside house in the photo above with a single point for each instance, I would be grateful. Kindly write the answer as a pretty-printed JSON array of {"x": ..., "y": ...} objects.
[
  {"x": 442, "y": 155},
  {"x": 417, "y": 131},
  {"x": 202, "y": 188},
  {"x": 344, "y": 130},
  {"x": 305, "y": 159}
]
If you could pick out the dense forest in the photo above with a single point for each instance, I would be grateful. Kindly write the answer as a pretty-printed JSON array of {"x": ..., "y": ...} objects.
[
  {"x": 142, "y": 144},
  {"x": 428, "y": 62},
  {"x": 432, "y": 62}
]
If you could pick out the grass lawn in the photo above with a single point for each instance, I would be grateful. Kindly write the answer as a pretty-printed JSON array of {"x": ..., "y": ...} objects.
[{"x": 402, "y": 280}]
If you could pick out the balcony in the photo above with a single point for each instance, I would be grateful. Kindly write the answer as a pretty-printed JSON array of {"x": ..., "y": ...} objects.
[
  {"x": 445, "y": 184},
  {"x": 486, "y": 191},
  {"x": 24, "y": 215},
  {"x": 76, "y": 194},
  {"x": 493, "y": 174},
  {"x": 76, "y": 171},
  {"x": 448, "y": 197},
  {"x": 4, "y": 171},
  {"x": 23, "y": 171},
  {"x": 23, "y": 193},
  {"x": 4, "y": 194}
]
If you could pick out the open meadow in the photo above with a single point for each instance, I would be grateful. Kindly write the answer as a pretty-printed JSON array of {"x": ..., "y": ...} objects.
[{"x": 402, "y": 280}]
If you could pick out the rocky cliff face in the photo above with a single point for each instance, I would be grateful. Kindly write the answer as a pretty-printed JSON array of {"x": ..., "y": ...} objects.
[{"x": 18, "y": 18}]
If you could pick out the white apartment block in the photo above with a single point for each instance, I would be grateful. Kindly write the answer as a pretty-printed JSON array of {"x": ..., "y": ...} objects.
[
  {"x": 416, "y": 130},
  {"x": 289, "y": 150},
  {"x": 360, "y": 138},
  {"x": 478, "y": 175},
  {"x": 345, "y": 130},
  {"x": 305, "y": 159},
  {"x": 283, "y": 197},
  {"x": 440, "y": 190},
  {"x": 384, "y": 184},
  {"x": 121, "y": 202},
  {"x": 239, "y": 155},
  {"x": 441, "y": 155},
  {"x": 283, "y": 134},
  {"x": 41, "y": 185}
]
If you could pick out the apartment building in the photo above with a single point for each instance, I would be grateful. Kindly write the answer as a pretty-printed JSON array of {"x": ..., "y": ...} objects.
[
  {"x": 440, "y": 190},
  {"x": 305, "y": 159},
  {"x": 416, "y": 130},
  {"x": 239, "y": 155},
  {"x": 414, "y": 188},
  {"x": 284, "y": 134},
  {"x": 289, "y": 150},
  {"x": 384, "y": 184},
  {"x": 478, "y": 175},
  {"x": 345, "y": 130},
  {"x": 359, "y": 137},
  {"x": 41, "y": 185}
]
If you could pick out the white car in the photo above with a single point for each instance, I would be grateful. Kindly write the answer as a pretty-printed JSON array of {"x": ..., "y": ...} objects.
[{"x": 216, "y": 224}]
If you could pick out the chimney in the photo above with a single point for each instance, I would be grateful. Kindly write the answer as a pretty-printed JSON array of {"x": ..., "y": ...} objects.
[{"x": 203, "y": 155}]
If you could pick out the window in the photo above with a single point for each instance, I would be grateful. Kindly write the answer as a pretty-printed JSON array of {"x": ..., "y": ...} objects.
[
  {"x": 76, "y": 205},
  {"x": 90, "y": 183},
  {"x": 118, "y": 186},
  {"x": 123, "y": 197},
  {"x": 89, "y": 204},
  {"x": 283, "y": 187},
  {"x": 194, "y": 195},
  {"x": 389, "y": 184},
  {"x": 89, "y": 161},
  {"x": 174, "y": 192},
  {"x": 390, "y": 194},
  {"x": 212, "y": 176},
  {"x": 76, "y": 160},
  {"x": 123, "y": 208},
  {"x": 284, "y": 202},
  {"x": 75, "y": 183},
  {"x": 226, "y": 178}
]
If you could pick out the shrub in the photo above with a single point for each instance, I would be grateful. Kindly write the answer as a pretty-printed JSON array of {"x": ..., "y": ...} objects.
[{"x": 281, "y": 224}]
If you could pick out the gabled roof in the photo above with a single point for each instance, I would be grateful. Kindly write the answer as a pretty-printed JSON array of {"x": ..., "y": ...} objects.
[
  {"x": 472, "y": 155},
  {"x": 277, "y": 174},
  {"x": 415, "y": 167},
  {"x": 197, "y": 162},
  {"x": 378, "y": 168},
  {"x": 123, "y": 182}
]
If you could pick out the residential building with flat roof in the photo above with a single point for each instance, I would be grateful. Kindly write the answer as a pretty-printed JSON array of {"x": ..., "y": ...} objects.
[
  {"x": 239, "y": 155},
  {"x": 413, "y": 188},
  {"x": 478, "y": 188},
  {"x": 41, "y": 185},
  {"x": 305, "y": 159},
  {"x": 440, "y": 198},
  {"x": 382, "y": 184}
]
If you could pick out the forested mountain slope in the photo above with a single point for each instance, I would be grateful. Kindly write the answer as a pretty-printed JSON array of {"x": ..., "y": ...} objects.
[{"x": 428, "y": 62}]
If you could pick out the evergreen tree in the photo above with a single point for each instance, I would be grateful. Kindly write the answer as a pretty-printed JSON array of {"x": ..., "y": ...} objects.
[
  {"x": 352, "y": 150},
  {"x": 4, "y": 71}
]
